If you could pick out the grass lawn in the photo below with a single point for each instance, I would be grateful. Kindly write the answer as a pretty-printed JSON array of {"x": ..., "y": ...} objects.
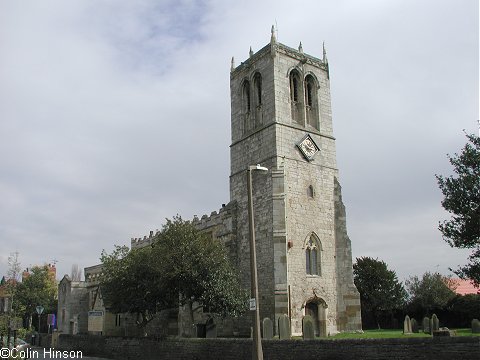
[{"x": 388, "y": 334}]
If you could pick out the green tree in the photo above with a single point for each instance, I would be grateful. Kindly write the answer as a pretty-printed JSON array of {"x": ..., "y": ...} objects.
[
  {"x": 462, "y": 199},
  {"x": 198, "y": 269},
  {"x": 433, "y": 291},
  {"x": 182, "y": 267},
  {"x": 380, "y": 291},
  {"x": 132, "y": 283},
  {"x": 38, "y": 288}
]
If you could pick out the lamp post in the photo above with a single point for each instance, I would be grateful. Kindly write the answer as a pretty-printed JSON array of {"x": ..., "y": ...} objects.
[
  {"x": 257, "y": 352},
  {"x": 39, "y": 310}
]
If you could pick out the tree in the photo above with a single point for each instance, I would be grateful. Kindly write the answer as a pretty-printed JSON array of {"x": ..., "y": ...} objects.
[
  {"x": 182, "y": 267},
  {"x": 462, "y": 199},
  {"x": 14, "y": 268},
  {"x": 38, "y": 288},
  {"x": 432, "y": 291},
  {"x": 379, "y": 288},
  {"x": 131, "y": 283},
  {"x": 198, "y": 269}
]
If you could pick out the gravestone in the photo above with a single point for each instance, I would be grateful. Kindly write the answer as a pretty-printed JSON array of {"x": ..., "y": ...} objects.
[
  {"x": 435, "y": 323},
  {"x": 407, "y": 325},
  {"x": 267, "y": 329},
  {"x": 414, "y": 326},
  {"x": 211, "y": 329},
  {"x": 284, "y": 327},
  {"x": 426, "y": 325},
  {"x": 308, "y": 328},
  {"x": 475, "y": 326}
]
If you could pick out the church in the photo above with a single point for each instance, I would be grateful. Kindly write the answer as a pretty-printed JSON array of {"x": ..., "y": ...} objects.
[{"x": 281, "y": 118}]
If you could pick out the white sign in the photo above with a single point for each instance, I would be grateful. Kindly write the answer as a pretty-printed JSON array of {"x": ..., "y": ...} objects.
[
  {"x": 253, "y": 304},
  {"x": 95, "y": 320}
]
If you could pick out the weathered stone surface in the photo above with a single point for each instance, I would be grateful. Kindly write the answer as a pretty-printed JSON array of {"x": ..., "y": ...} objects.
[
  {"x": 414, "y": 326},
  {"x": 407, "y": 325},
  {"x": 297, "y": 194},
  {"x": 308, "y": 328},
  {"x": 284, "y": 327},
  {"x": 435, "y": 323},
  {"x": 475, "y": 326},
  {"x": 267, "y": 329},
  {"x": 426, "y": 325}
]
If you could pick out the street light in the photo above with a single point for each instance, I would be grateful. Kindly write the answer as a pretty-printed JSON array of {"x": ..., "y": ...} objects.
[
  {"x": 39, "y": 309},
  {"x": 257, "y": 352}
]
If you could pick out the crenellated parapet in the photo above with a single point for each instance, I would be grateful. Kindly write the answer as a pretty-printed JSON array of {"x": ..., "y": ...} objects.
[
  {"x": 137, "y": 243},
  {"x": 221, "y": 225}
]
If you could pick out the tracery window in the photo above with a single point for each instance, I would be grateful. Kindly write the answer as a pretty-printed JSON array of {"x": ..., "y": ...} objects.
[
  {"x": 257, "y": 86},
  {"x": 313, "y": 256},
  {"x": 295, "y": 97},
  {"x": 311, "y": 103},
  {"x": 246, "y": 106}
]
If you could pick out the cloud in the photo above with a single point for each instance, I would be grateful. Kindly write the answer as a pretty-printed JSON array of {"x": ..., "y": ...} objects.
[{"x": 115, "y": 115}]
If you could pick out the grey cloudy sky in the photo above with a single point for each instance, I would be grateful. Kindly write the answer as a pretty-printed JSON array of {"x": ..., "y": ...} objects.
[{"x": 116, "y": 114}]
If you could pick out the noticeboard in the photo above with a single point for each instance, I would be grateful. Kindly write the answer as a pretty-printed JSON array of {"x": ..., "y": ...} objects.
[{"x": 95, "y": 320}]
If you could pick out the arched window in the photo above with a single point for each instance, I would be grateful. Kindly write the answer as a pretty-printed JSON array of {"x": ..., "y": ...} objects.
[
  {"x": 313, "y": 256},
  {"x": 311, "y": 102},
  {"x": 246, "y": 96},
  {"x": 246, "y": 106},
  {"x": 295, "y": 97},
  {"x": 257, "y": 86},
  {"x": 257, "y": 81}
]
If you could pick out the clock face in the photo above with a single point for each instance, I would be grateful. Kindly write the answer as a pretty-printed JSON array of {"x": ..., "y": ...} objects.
[{"x": 308, "y": 147}]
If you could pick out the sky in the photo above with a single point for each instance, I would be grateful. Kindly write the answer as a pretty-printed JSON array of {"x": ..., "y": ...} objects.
[{"x": 115, "y": 115}]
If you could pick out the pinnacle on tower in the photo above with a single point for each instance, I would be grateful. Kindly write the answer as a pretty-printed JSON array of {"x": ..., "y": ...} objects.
[
  {"x": 250, "y": 53},
  {"x": 273, "y": 38},
  {"x": 324, "y": 54},
  {"x": 232, "y": 64},
  {"x": 300, "y": 48}
]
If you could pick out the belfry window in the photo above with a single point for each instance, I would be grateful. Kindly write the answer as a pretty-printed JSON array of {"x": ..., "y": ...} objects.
[
  {"x": 295, "y": 97},
  {"x": 257, "y": 81},
  {"x": 246, "y": 96},
  {"x": 257, "y": 88},
  {"x": 311, "y": 103},
  {"x": 246, "y": 107},
  {"x": 313, "y": 256}
]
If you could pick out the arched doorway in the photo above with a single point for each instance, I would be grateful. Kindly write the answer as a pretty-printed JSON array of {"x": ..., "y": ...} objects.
[{"x": 317, "y": 309}]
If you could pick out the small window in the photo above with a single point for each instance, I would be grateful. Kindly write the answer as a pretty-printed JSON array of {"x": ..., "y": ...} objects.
[
  {"x": 310, "y": 192},
  {"x": 118, "y": 320}
]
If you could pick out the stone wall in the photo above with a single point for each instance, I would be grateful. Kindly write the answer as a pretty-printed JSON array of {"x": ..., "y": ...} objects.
[{"x": 464, "y": 348}]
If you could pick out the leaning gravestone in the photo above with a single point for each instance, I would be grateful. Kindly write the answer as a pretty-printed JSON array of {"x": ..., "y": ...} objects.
[
  {"x": 284, "y": 327},
  {"x": 426, "y": 325},
  {"x": 414, "y": 326},
  {"x": 267, "y": 329},
  {"x": 475, "y": 326},
  {"x": 435, "y": 323},
  {"x": 407, "y": 325},
  {"x": 308, "y": 329}
]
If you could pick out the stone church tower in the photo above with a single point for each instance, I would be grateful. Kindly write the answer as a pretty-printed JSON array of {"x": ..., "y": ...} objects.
[{"x": 281, "y": 118}]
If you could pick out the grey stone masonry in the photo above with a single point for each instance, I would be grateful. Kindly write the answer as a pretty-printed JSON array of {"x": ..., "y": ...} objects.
[{"x": 279, "y": 98}]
